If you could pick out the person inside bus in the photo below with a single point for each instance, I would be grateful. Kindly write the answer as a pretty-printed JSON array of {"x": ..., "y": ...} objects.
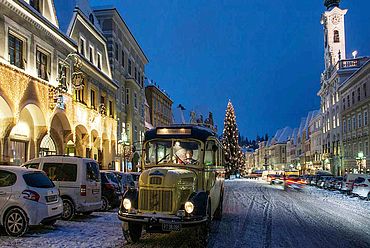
[{"x": 189, "y": 157}]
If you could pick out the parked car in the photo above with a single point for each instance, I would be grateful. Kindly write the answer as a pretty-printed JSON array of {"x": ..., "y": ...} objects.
[
  {"x": 27, "y": 198},
  {"x": 348, "y": 180},
  {"x": 135, "y": 176},
  {"x": 77, "y": 179},
  {"x": 125, "y": 180},
  {"x": 321, "y": 181},
  {"x": 338, "y": 183},
  {"x": 111, "y": 191},
  {"x": 328, "y": 181},
  {"x": 361, "y": 187}
]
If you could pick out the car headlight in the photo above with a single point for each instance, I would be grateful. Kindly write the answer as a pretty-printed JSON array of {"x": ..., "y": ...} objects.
[
  {"x": 189, "y": 207},
  {"x": 126, "y": 204}
]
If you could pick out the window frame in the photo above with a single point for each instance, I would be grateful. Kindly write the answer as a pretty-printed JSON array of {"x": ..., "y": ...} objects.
[{"x": 24, "y": 49}]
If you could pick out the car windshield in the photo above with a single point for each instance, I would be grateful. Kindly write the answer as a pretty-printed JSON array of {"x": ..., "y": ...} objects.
[
  {"x": 38, "y": 180},
  {"x": 172, "y": 152},
  {"x": 112, "y": 177}
]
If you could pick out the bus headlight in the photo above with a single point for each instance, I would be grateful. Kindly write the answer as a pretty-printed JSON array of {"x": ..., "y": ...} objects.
[
  {"x": 189, "y": 207},
  {"x": 126, "y": 204}
]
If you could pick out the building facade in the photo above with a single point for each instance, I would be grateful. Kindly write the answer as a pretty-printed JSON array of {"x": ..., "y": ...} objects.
[
  {"x": 127, "y": 61},
  {"x": 355, "y": 105},
  {"x": 160, "y": 105},
  {"x": 45, "y": 108},
  {"x": 337, "y": 70}
]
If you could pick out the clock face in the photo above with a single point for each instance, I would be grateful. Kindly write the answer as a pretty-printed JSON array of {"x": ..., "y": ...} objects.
[{"x": 335, "y": 19}]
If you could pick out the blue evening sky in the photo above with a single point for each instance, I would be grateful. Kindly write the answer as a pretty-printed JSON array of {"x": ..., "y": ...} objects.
[{"x": 264, "y": 55}]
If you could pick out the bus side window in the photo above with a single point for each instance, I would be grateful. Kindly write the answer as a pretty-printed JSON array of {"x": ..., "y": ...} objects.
[{"x": 210, "y": 153}]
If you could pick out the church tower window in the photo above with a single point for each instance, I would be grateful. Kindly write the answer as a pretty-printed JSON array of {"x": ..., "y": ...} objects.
[{"x": 336, "y": 36}]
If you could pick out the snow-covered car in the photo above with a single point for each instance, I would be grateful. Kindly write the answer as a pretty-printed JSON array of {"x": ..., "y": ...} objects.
[
  {"x": 348, "y": 180},
  {"x": 78, "y": 180},
  {"x": 361, "y": 187},
  {"x": 27, "y": 198}
]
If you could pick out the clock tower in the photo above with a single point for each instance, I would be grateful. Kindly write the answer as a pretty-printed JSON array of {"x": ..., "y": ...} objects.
[{"x": 334, "y": 33}]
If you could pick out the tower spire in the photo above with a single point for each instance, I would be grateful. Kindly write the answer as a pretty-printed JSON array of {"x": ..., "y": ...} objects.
[{"x": 329, "y": 4}]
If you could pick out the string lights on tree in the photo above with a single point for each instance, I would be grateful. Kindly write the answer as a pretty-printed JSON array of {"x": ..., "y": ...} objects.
[{"x": 234, "y": 158}]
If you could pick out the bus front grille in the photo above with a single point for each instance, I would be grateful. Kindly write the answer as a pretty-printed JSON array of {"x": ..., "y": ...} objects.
[{"x": 155, "y": 200}]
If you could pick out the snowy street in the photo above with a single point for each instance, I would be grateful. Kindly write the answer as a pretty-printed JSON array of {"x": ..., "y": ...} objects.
[{"x": 255, "y": 215}]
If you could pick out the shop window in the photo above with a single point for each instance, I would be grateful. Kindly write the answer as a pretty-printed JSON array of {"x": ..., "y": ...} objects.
[
  {"x": 18, "y": 151},
  {"x": 47, "y": 146},
  {"x": 16, "y": 48}
]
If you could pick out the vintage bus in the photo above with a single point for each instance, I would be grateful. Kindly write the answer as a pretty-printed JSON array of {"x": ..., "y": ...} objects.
[{"x": 181, "y": 184}]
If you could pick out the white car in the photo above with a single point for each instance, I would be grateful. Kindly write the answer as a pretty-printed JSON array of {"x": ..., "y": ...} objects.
[
  {"x": 361, "y": 187},
  {"x": 348, "y": 180},
  {"x": 78, "y": 180},
  {"x": 27, "y": 198}
]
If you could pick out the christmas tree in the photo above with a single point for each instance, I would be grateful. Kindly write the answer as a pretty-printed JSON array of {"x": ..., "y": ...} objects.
[{"x": 233, "y": 155}]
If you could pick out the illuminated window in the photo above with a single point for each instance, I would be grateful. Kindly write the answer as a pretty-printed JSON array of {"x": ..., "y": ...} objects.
[{"x": 15, "y": 51}]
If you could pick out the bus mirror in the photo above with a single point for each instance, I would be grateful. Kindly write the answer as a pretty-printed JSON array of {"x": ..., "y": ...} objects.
[{"x": 214, "y": 148}]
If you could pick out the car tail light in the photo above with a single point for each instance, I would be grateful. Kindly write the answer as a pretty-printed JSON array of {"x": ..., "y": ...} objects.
[
  {"x": 83, "y": 190},
  {"x": 31, "y": 195}
]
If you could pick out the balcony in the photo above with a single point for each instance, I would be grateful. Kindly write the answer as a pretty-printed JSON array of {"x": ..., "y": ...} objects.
[{"x": 344, "y": 65}]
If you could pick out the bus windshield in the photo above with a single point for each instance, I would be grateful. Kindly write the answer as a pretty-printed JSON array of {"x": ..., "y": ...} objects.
[{"x": 172, "y": 152}]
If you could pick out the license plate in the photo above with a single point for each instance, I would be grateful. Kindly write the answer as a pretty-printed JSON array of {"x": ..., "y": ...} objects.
[
  {"x": 171, "y": 227},
  {"x": 95, "y": 191},
  {"x": 51, "y": 198}
]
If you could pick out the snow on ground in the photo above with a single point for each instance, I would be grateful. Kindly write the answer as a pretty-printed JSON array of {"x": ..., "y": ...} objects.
[{"x": 255, "y": 215}]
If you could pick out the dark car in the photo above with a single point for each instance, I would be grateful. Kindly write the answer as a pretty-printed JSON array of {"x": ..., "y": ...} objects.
[
  {"x": 338, "y": 183},
  {"x": 111, "y": 191},
  {"x": 329, "y": 182}
]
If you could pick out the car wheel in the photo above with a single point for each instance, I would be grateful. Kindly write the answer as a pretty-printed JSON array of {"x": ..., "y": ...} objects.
[
  {"x": 203, "y": 230},
  {"x": 15, "y": 222},
  {"x": 105, "y": 204},
  {"x": 68, "y": 209},
  {"x": 219, "y": 210},
  {"x": 134, "y": 231}
]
